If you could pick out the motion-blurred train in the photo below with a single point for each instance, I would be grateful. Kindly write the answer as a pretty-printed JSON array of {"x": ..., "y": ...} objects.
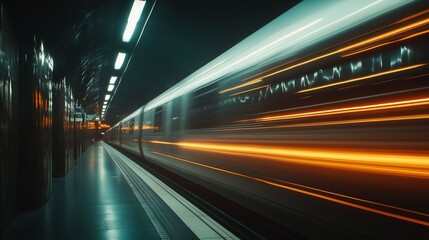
[{"x": 318, "y": 121}]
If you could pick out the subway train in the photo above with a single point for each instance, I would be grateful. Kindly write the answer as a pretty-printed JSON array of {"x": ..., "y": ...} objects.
[{"x": 319, "y": 121}]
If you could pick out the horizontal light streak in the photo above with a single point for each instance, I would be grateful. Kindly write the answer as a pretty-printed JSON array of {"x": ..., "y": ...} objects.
[
  {"x": 331, "y": 18},
  {"x": 249, "y": 90},
  {"x": 350, "y": 47},
  {"x": 387, "y": 43},
  {"x": 315, "y": 194},
  {"x": 355, "y": 121},
  {"x": 393, "y": 164},
  {"x": 387, "y": 34},
  {"x": 352, "y": 198},
  {"x": 413, "y": 16},
  {"x": 242, "y": 85},
  {"x": 329, "y": 123},
  {"x": 347, "y": 110},
  {"x": 363, "y": 78},
  {"x": 148, "y": 127}
]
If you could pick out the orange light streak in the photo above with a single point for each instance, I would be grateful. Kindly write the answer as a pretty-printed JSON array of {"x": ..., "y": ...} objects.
[
  {"x": 148, "y": 127},
  {"x": 413, "y": 16},
  {"x": 365, "y": 120},
  {"x": 418, "y": 76},
  {"x": 249, "y": 90},
  {"x": 340, "y": 122},
  {"x": 386, "y": 35},
  {"x": 359, "y": 44},
  {"x": 384, "y": 163},
  {"x": 242, "y": 85},
  {"x": 387, "y": 43},
  {"x": 347, "y": 110},
  {"x": 363, "y": 78},
  {"x": 313, "y": 194},
  {"x": 352, "y": 198}
]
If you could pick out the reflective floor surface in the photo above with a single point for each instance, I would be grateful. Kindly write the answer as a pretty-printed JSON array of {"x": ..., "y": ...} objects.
[{"x": 93, "y": 201}]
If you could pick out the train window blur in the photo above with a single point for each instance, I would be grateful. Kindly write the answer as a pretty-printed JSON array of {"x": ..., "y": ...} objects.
[
  {"x": 131, "y": 126},
  {"x": 286, "y": 91},
  {"x": 158, "y": 120},
  {"x": 124, "y": 128},
  {"x": 175, "y": 118},
  {"x": 204, "y": 107}
]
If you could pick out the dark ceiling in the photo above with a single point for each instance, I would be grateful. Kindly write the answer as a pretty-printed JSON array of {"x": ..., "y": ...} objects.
[{"x": 84, "y": 37}]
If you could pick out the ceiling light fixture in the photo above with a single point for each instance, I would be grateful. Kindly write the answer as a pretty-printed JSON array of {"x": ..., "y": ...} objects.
[
  {"x": 111, "y": 87},
  {"x": 134, "y": 17},
  {"x": 120, "y": 60},
  {"x": 107, "y": 97},
  {"x": 113, "y": 80}
]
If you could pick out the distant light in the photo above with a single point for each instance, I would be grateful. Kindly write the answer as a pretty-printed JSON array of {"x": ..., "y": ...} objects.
[
  {"x": 111, "y": 87},
  {"x": 102, "y": 133},
  {"x": 113, "y": 80},
  {"x": 104, "y": 106},
  {"x": 120, "y": 60},
  {"x": 105, "y": 102},
  {"x": 107, "y": 97},
  {"x": 97, "y": 118}
]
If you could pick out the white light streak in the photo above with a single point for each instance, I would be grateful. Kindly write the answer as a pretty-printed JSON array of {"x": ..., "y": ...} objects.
[{"x": 283, "y": 38}]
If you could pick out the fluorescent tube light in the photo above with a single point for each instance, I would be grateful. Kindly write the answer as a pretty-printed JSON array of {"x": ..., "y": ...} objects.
[
  {"x": 120, "y": 60},
  {"x": 136, "y": 11},
  {"x": 105, "y": 103},
  {"x": 134, "y": 17},
  {"x": 104, "y": 106},
  {"x": 113, "y": 80},
  {"x": 107, "y": 97},
  {"x": 111, "y": 87},
  {"x": 128, "y": 33}
]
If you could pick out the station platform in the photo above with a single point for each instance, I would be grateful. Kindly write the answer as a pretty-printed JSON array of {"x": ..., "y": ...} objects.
[{"x": 108, "y": 196}]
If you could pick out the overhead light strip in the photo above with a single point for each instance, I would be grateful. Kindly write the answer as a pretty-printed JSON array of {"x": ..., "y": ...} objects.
[
  {"x": 134, "y": 17},
  {"x": 111, "y": 87},
  {"x": 113, "y": 80},
  {"x": 120, "y": 60}
]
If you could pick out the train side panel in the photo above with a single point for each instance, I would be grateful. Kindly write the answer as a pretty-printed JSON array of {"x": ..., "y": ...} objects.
[
  {"x": 131, "y": 132},
  {"x": 338, "y": 132}
]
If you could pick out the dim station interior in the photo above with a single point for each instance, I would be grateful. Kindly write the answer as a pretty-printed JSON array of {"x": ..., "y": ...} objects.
[{"x": 147, "y": 119}]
